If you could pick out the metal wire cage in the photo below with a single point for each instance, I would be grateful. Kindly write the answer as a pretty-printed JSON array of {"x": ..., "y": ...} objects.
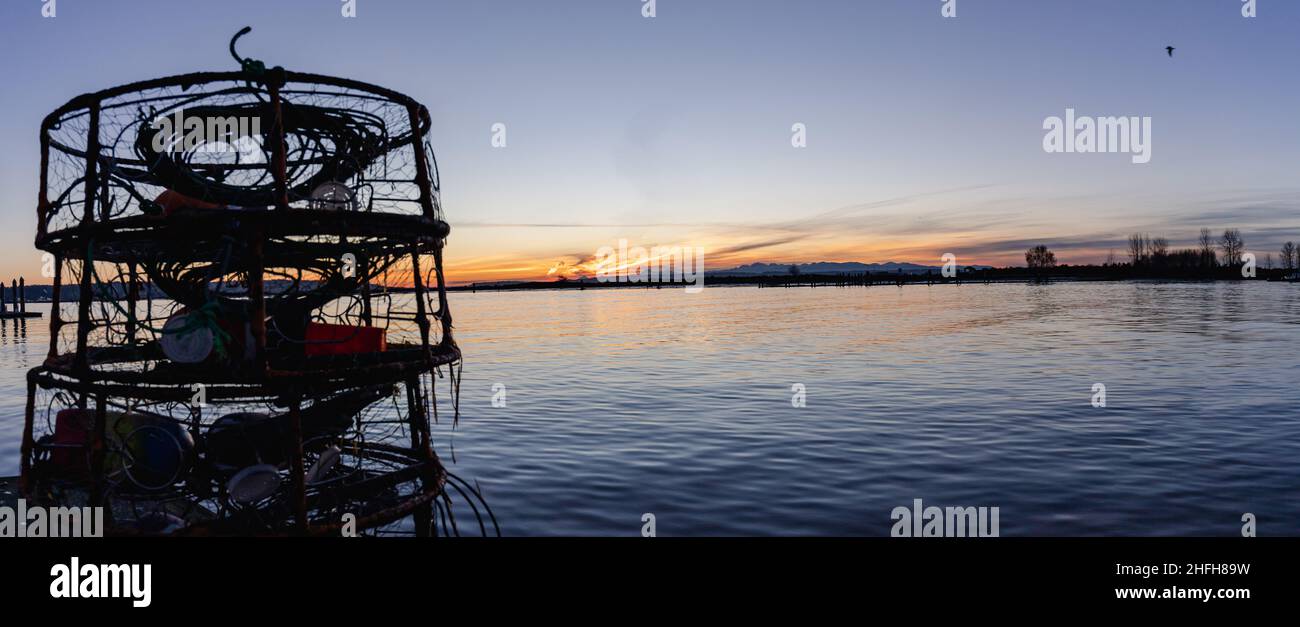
[
  {"x": 241, "y": 464},
  {"x": 273, "y": 241}
]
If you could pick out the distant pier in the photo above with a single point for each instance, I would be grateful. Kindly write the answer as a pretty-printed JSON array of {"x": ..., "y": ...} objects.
[{"x": 17, "y": 307}]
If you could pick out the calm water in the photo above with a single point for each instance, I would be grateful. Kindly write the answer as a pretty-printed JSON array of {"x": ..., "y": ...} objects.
[{"x": 622, "y": 402}]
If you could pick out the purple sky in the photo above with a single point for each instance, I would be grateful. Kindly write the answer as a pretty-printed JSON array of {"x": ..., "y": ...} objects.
[{"x": 924, "y": 133}]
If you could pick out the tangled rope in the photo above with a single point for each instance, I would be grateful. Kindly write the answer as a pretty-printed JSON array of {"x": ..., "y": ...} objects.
[
  {"x": 205, "y": 316},
  {"x": 324, "y": 144}
]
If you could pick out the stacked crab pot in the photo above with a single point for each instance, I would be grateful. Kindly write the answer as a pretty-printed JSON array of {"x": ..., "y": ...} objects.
[{"x": 248, "y": 311}]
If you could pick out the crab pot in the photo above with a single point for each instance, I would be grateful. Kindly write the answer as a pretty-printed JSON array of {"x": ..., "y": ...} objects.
[{"x": 249, "y": 307}]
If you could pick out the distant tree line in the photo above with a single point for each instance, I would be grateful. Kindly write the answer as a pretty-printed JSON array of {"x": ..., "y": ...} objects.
[
  {"x": 1221, "y": 256},
  {"x": 1153, "y": 255}
]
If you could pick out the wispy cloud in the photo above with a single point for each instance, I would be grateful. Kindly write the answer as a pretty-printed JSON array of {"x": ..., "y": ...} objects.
[{"x": 978, "y": 226}]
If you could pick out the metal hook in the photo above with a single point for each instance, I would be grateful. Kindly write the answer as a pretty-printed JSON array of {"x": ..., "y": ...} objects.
[{"x": 244, "y": 31}]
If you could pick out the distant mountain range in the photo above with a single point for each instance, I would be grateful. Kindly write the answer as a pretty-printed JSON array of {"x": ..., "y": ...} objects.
[{"x": 831, "y": 267}]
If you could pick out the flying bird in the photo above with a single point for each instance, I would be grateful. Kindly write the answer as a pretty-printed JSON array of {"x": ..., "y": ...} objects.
[{"x": 1170, "y": 50}]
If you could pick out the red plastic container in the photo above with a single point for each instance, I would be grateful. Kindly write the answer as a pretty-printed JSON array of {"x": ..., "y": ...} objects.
[
  {"x": 71, "y": 435},
  {"x": 339, "y": 339}
]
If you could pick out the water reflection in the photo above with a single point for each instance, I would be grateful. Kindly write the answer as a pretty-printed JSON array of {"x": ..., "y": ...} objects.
[
  {"x": 623, "y": 402},
  {"x": 13, "y": 331}
]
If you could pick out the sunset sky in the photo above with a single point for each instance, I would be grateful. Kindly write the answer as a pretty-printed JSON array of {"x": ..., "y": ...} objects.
[{"x": 924, "y": 134}]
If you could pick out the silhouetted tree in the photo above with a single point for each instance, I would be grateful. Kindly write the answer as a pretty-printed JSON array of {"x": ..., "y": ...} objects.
[
  {"x": 1040, "y": 260},
  {"x": 1159, "y": 248},
  {"x": 1289, "y": 258},
  {"x": 1232, "y": 246},
  {"x": 1206, "y": 241},
  {"x": 1137, "y": 249},
  {"x": 793, "y": 270}
]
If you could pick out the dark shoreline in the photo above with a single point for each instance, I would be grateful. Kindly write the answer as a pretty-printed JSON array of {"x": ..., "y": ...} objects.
[
  {"x": 864, "y": 281},
  {"x": 37, "y": 294}
]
